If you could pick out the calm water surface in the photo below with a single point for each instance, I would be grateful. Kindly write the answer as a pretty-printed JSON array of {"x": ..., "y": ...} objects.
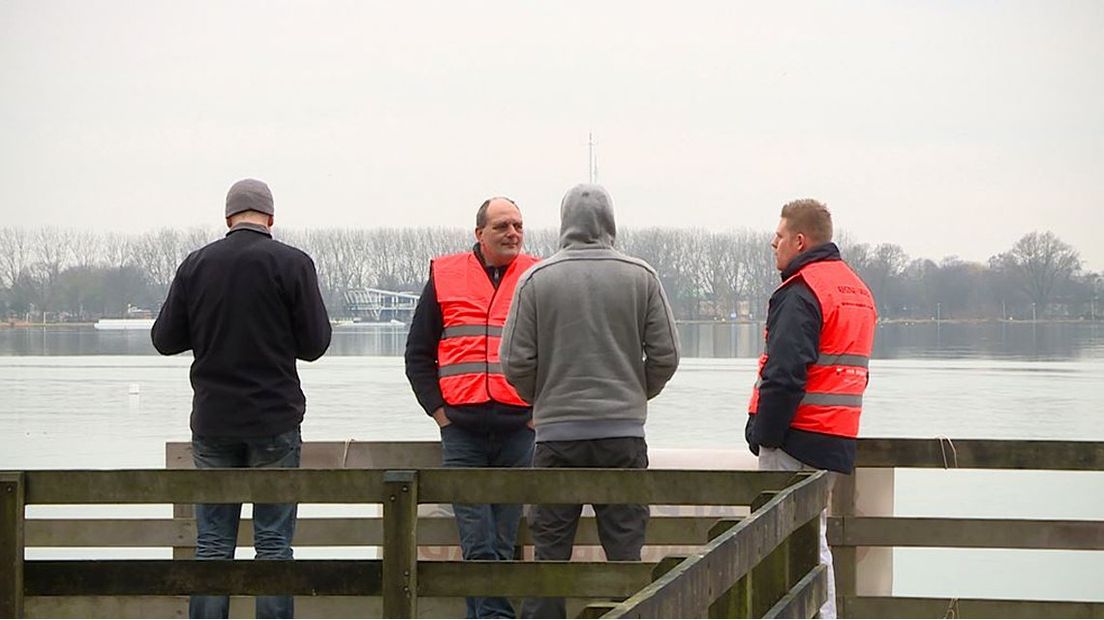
[{"x": 66, "y": 404}]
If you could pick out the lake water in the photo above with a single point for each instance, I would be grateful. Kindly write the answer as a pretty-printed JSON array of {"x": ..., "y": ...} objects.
[{"x": 66, "y": 404}]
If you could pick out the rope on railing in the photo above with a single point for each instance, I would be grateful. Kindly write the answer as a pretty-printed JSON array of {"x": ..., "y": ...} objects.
[
  {"x": 345, "y": 454},
  {"x": 943, "y": 449}
]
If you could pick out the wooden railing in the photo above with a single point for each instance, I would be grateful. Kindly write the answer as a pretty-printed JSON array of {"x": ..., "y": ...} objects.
[
  {"x": 124, "y": 587},
  {"x": 863, "y": 529},
  {"x": 736, "y": 568}
]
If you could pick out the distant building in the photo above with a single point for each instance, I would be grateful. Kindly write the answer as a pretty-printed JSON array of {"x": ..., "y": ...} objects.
[{"x": 380, "y": 306}]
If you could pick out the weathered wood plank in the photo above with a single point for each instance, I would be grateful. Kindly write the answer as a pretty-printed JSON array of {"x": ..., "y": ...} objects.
[
  {"x": 576, "y": 579},
  {"x": 240, "y": 607},
  {"x": 11, "y": 544},
  {"x": 805, "y": 598},
  {"x": 769, "y": 577},
  {"x": 804, "y": 552},
  {"x": 702, "y": 578},
  {"x": 981, "y": 454},
  {"x": 597, "y": 486},
  {"x": 350, "y": 454},
  {"x": 909, "y": 607},
  {"x": 872, "y": 452},
  {"x": 160, "y": 577},
  {"x": 365, "y": 486},
  {"x": 968, "y": 533},
  {"x": 736, "y": 601},
  {"x": 182, "y": 486},
  {"x": 844, "y": 559},
  {"x": 400, "y": 544},
  {"x": 324, "y": 532}
]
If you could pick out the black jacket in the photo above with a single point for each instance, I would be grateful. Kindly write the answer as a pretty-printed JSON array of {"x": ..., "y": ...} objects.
[
  {"x": 421, "y": 366},
  {"x": 794, "y": 321},
  {"x": 248, "y": 306}
]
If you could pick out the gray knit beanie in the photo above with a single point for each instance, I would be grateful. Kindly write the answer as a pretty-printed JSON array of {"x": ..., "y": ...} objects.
[{"x": 249, "y": 195}]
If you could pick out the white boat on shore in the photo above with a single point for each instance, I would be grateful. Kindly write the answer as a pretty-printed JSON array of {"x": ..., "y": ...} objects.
[{"x": 124, "y": 324}]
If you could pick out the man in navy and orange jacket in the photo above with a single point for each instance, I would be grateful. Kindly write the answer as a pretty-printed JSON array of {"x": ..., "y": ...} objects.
[
  {"x": 452, "y": 364},
  {"x": 805, "y": 406}
]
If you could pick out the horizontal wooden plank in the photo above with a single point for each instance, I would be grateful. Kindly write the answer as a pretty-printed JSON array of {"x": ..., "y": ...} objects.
[
  {"x": 908, "y": 607},
  {"x": 805, "y": 598},
  {"x": 137, "y": 577},
  {"x": 598, "y": 486},
  {"x": 240, "y": 607},
  {"x": 981, "y": 454},
  {"x": 365, "y": 486},
  {"x": 111, "y": 532},
  {"x": 167, "y": 486},
  {"x": 329, "y": 577},
  {"x": 350, "y": 454},
  {"x": 578, "y": 579},
  {"x": 318, "y": 532},
  {"x": 872, "y": 452},
  {"x": 697, "y": 582},
  {"x": 966, "y": 533}
]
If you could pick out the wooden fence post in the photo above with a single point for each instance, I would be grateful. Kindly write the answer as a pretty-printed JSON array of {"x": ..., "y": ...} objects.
[
  {"x": 844, "y": 559},
  {"x": 736, "y": 602},
  {"x": 804, "y": 553},
  {"x": 769, "y": 578},
  {"x": 400, "y": 544},
  {"x": 179, "y": 456},
  {"x": 867, "y": 571},
  {"x": 874, "y": 497},
  {"x": 11, "y": 544}
]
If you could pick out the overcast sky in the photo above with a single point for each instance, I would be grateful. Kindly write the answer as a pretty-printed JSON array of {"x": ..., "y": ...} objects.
[{"x": 950, "y": 128}]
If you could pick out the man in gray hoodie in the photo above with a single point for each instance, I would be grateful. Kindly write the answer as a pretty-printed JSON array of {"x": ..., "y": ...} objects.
[{"x": 589, "y": 340}]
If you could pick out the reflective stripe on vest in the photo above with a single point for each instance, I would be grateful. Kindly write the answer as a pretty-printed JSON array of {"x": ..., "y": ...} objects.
[
  {"x": 834, "y": 387},
  {"x": 474, "y": 313},
  {"x": 456, "y": 331}
]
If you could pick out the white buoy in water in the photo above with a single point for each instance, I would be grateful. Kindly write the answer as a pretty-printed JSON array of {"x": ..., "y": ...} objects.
[{"x": 133, "y": 388}]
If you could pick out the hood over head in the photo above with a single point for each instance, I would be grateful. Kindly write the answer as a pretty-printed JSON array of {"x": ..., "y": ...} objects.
[{"x": 586, "y": 217}]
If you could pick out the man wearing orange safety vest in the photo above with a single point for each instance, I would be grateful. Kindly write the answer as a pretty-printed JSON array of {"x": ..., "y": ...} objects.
[
  {"x": 452, "y": 364},
  {"x": 805, "y": 406}
]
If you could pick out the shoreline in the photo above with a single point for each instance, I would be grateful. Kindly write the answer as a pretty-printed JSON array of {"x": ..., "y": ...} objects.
[{"x": 897, "y": 321}]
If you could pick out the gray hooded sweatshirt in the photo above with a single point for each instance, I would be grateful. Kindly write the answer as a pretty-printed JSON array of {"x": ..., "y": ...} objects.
[{"x": 590, "y": 337}]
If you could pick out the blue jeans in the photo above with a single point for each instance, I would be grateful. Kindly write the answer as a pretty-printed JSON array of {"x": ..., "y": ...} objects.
[
  {"x": 487, "y": 531},
  {"x": 217, "y": 524}
]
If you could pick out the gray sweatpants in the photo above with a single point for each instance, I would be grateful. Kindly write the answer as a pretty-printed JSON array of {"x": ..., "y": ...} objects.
[{"x": 774, "y": 459}]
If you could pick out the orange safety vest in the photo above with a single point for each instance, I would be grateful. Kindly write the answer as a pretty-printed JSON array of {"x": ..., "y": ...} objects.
[
  {"x": 837, "y": 380},
  {"x": 474, "y": 312}
]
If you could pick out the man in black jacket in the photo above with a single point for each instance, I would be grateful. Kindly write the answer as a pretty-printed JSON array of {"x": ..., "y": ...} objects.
[
  {"x": 805, "y": 407},
  {"x": 247, "y": 306}
]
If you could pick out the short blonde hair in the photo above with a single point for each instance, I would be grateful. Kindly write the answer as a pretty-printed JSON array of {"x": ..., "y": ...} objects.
[{"x": 810, "y": 218}]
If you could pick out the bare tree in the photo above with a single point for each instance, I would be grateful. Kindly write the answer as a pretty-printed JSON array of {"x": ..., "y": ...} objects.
[
  {"x": 880, "y": 267},
  {"x": 727, "y": 270},
  {"x": 1040, "y": 262},
  {"x": 15, "y": 255},
  {"x": 760, "y": 276},
  {"x": 544, "y": 242},
  {"x": 117, "y": 250},
  {"x": 53, "y": 253},
  {"x": 86, "y": 248},
  {"x": 158, "y": 253}
]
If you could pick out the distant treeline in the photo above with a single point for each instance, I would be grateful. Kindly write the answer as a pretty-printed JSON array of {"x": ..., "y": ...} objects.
[{"x": 77, "y": 275}]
